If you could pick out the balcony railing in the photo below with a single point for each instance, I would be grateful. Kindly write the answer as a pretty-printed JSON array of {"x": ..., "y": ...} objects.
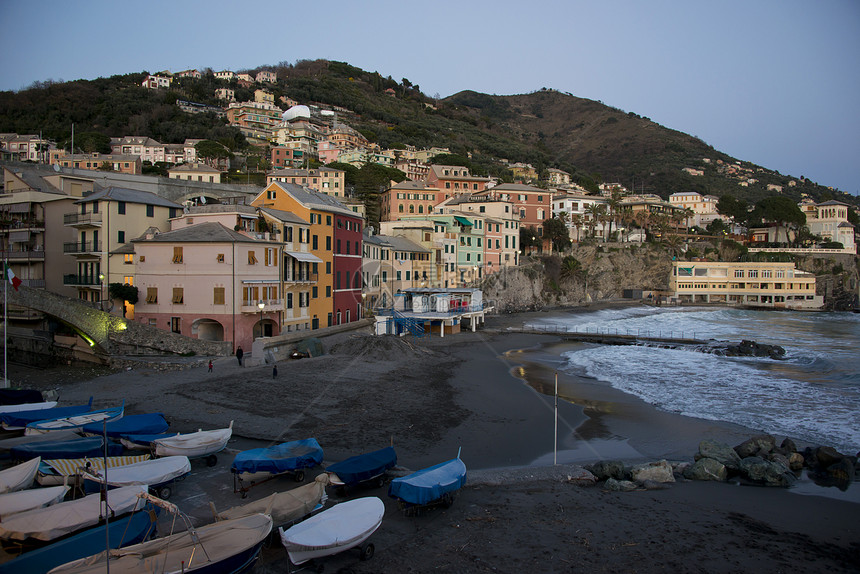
[
  {"x": 82, "y": 280},
  {"x": 23, "y": 254},
  {"x": 302, "y": 278},
  {"x": 272, "y": 305},
  {"x": 82, "y": 219},
  {"x": 82, "y": 247}
]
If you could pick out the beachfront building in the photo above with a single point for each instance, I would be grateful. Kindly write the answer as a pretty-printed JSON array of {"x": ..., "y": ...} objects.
[
  {"x": 433, "y": 310},
  {"x": 829, "y": 220},
  {"x": 532, "y": 205},
  {"x": 502, "y": 227},
  {"x": 757, "y": 284},
  {"x": 581, "y": 214},
  {"x": 469, "y": 229},
  {"x": 441, "y": 244}
]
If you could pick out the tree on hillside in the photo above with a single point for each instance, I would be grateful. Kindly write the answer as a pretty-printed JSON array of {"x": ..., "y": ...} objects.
[
  {"x": 555, "y": 231},
  {"x": 213, "y": 151},
  {"x": 529, "y": 238},
  {"x": 89, "y": 142},
  {"x": 782, "y": 212},
  {"x": 736, "y": 209}
]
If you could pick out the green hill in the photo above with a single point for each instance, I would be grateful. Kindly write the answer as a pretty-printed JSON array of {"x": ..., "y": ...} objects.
[{"x": 594, "y": 142}]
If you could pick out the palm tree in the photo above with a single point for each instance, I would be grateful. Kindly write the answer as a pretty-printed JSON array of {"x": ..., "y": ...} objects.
[
  {"x": 576, "y": 221},
  {"x": 594, "y": 211}
]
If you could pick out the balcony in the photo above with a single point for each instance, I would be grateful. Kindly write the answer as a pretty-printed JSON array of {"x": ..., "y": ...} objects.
[
  {"x": 83, "y": 248},
  {"x": 82, "y": 219},
  {"x": 272, "y": 305},
  {"x": 23, "y": 255},
  {"x": 81, "y": 281},
  {"x": 302, "y": 278}
]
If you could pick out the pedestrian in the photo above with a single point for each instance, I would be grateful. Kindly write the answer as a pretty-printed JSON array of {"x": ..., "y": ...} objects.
[
  {"x": 210, "y": 365},
  {"x": 275, "y": 371},
  {"x": 239, "y": 353}
]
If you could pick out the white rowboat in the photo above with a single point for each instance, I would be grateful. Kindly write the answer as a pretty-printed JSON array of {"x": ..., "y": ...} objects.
[
  {"x": 30, "y": 499},
  {"x": 195, "y": 444},
  {"x": 19, "y": 477}
]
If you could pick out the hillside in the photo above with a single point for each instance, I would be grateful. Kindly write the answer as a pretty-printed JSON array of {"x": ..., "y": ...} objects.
[{"x": 592, "y": 141}]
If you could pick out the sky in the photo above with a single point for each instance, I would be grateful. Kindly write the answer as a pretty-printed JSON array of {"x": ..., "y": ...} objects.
[{"x": 773, "y": 82}]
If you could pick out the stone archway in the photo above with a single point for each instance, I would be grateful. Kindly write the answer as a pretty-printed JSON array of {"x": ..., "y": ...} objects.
[{"x": 208, "y": 330}]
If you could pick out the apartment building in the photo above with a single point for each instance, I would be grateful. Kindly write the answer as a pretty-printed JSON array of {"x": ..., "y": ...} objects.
[
  {"x": 408, "y": 198},
  {"x": 454, "y": 180},
  {"x": 324, "y": 180}
]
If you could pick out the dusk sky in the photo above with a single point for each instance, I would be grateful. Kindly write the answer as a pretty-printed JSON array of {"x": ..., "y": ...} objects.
[{"x": 774, "y": 82}]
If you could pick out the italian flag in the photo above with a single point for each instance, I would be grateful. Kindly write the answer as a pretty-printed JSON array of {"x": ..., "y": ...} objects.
[{"x": 11, "y": 276}]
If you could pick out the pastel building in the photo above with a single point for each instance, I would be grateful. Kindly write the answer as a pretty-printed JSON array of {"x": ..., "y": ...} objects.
[
  {"x": 454, "y": 180},
  {"x": 433, "y": 236},
  {"x": 408, "y": 198},
  {"x": 324, "y": 179},
  {"x": 829, "y": 219}
]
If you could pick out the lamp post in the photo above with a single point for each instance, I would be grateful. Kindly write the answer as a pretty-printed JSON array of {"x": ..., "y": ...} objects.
[
  {"x": 261, "y": 306},
  {"x": 102, "y": 291}
]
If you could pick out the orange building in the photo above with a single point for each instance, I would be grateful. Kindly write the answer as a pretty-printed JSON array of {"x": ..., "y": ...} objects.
[{"x": 408, "y": 198}]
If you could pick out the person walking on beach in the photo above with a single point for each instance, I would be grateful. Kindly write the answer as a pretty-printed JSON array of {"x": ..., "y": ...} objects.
[
  {"x": 210, "y": 365},
  {"x": 239, "y": 353},
  {"x": 275, "y": 371}
]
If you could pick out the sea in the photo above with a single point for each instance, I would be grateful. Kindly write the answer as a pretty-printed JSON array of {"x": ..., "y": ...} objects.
[{"x": 811, "y": 395}]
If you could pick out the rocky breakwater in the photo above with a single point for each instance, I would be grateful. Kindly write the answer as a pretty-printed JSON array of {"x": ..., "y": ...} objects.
[{"x": 745, "y": 349}]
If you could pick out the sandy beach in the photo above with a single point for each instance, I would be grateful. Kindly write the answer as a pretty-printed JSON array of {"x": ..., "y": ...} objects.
[{"x": 518, "y": 512}]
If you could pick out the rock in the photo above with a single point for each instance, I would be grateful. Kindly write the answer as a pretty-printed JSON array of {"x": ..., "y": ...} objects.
[
  {"x": 582, "y": 477},
  {"x": 795, "y": 461},
  {"x": 788, "y": 446},
  {"x": 619, "y": 485},
  {"x": 654, "y": 485},
  {"x": 765, "y": 472},
  {"x": 607, "y": 469},
  {"x": 755, "y": 445},
  {"x": 827, "y": 456},
  {"x": 653, "y": 471},
  {"x": 680, "y": 468},
  {"x": 842, "y": 471},
  {"x": 779, "y": 459},
  {"x": 720, "y": 452},
  {"x": 706, "y": 469}
]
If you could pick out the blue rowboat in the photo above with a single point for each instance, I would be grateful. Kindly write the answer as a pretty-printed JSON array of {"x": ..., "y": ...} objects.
[
  {"x": 19, "y": 420},
  {"x": 434, "y": 484},
  {"x": 76, "y": 448},
  {"x": 363, "y": 467},
  {"x": 260, "y": 464},
  {"x": 75, "y": 422},
  {"x": 149, "y": 423}
]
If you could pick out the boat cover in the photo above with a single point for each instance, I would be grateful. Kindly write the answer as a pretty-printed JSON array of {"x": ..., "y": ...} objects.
[
  {"x": 364, "y": 466},
  {"x": 28, "y": 407},
  {"x": 20, "y": 396},
  {"x": 142, "y": 441},
  {"x": 75, "y": 448},
  {"x": 21, "y": 419},
  {"x": 195, "y": 444},
  {"x": 66, "y": 517},
  {"x": 280, "y": 458},
  {"x": 150, "y": 423},
  {"x": 72, "y": 466},
  {"x": 339, "y": 528},
  {"x": 284, "y": 507},
  {"x": 19, "y": 477},
  {"x": 24, "y": 500},
  {"x": 130, "y": 529},
  {"x": 75, "y": 421},
  {"x": 229, "y": 545},
  {"x": 429, "y": 484},
  {"x": 149, "y": 473},
  {"x": 7, "y": 444}
]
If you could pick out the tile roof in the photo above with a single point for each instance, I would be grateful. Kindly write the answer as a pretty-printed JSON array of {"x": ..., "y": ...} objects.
[
  {"x": 208, "y": 232},
  {"x": 128, "y": 196}
]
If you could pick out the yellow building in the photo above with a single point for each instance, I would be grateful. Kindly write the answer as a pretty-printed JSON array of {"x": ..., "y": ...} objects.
[{"x": 765, "y": 284}]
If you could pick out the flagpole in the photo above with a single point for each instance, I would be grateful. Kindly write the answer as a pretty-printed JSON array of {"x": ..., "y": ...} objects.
[
  {"x": 555, "y": 438},
  {"x": 5, "y": 322}
]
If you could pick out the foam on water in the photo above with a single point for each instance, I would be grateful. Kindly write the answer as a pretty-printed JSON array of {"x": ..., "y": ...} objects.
[{"x": 814, "y": 395}]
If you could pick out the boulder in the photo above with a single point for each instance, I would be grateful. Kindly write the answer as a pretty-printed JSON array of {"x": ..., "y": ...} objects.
[
  {"x": 706, "y": 469},
  {"x": 652, "y": 485},
  {"x": 779, "y": 459},
  {"x": 766, "y": 473},
  {"x": 619, "y": 485},
  {"x": 582, "y": 477},
  {"x": 755, "y": 445},
  {"x": 721, "y": 452},
  {"x": 654, "y": 471},
  {"x": 827, "y": 456},
  {"x": 842, "y": 471},
  {"x": 787, "y": 446},
  {"x": 795, "y": 461},
  {"x": 607, "y": 469}
]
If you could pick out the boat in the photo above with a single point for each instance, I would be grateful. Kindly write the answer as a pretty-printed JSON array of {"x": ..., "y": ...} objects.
[
  {"x": 19, "y": 420},
  {"x": 341, "y": 527},
  {"x": 283, "y": 507},
  {"x": 142, "y": 441},
  {"x": 19, "y": 477},
  {"x": 149, "y": 423},
  {"x": 75, "y": 422},
  {"x": 158, "y": 474},
  {"x": 230, "y": 546},
  {"x": 18, "y": 397},
  {"x": 195, "y": 445},
  {"x": 130, "y": 529},
  {"x": 57, "y": 520},
  {"x": 7, "y": 444},
  {"x": 68, "y": 470},
  {"x": 27, "y": 407},
  {"x": 74, "y": 448},
  {"x": 260, "y": 464},
  {"x": 363, "y": 468},
  {"x": 435, "y": 484},
  {"x": 30, "y": 499}
]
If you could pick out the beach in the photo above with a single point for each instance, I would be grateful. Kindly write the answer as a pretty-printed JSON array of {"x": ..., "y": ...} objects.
[{"x": 434, "y": 397}]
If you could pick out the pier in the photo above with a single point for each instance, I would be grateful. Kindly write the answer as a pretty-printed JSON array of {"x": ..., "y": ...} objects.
[{"x": 670, "y": 339}]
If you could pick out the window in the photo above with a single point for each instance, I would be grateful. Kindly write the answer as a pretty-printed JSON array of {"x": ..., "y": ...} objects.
[
  {"x": 252, "y": 258},
  {"x": 314, "y": 243},
  {"x": 120, "y": 207},
  {"x": 270, "y": 256},
  {"x": 337, "y": 283},
  {"x": 314, "y": 292},
  {"x": 328, "y": 290},
  {"x": 177, "y": 295},
  {"x": 328, "y": 267},
  {"x": 128, "y": 258},
  {"x": 220, "y": 258},
  {"x": 150, "y": 212},
  {"x": 120, "y": 236},
  {"x": 328, "y": 243},
  {"x": 218, "y": 296},
  {"x": 175, "y": 323},
  {"x": 177, "y": 254},
  {"x": 289, "y": 300},
  {"x": 152, "y": 295}
]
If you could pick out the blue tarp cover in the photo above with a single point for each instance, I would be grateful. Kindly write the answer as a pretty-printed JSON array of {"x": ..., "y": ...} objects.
[
  {"x": 279, "y": 458},
  {"x": 23, "y": 418},
  {"x": 146, "y": 439},
  {"x": 429, "y": 484},
  {"x": 364, "y": 466},
  {"x": 150, "y": 423},
  {"x": 78, "y": 448}
]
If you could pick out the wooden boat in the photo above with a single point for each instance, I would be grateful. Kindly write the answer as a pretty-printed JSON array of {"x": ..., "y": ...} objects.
[
  {"x": 64, "y": 518},
  {"x": 19, "y": 420},
  {"x": 27, "y": 407},
  {"x": 142, "y": 441},
  {"x": 19, "y": 477},
  {"x": 158, "y": 474},
  {"x": 133, "y": 528},
  {"x": 68, "y": 470},
  {"x": 149, "y": 423},
  {"x": 195, "y": 445},
  {"x": 341, "y": 527},
  {"x": 226, "y": 547},
  {"x": 75, "y": 422},
  {"x": 436, "y": 484},
  {"x": 30, "y": 499},
  {"x": 75, "y": 448},
  {"x": 363, "y": 468},
  {"x": 260, "y": 464},
  {"x": 7, "y": 444},
  {"x": 283, "y": 507}
]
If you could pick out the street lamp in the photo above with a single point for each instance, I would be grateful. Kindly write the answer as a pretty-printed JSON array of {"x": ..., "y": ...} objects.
[
  {"x": 102, "y": 290},
  {"x": 261, "y": 306}
]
